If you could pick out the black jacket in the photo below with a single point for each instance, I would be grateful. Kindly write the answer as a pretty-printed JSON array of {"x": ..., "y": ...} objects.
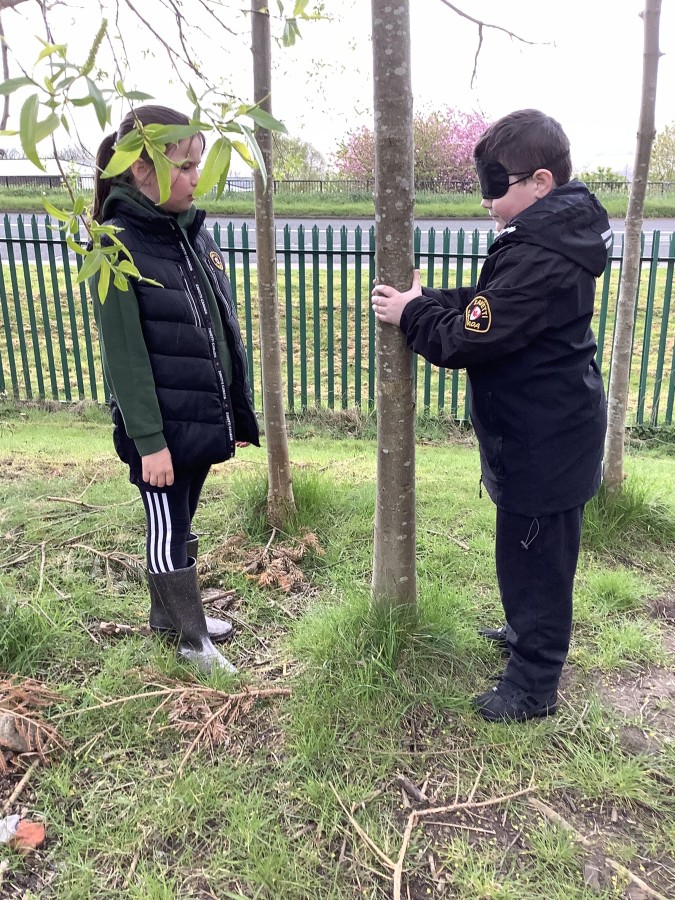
[
  {"x": 186, "y": 384},
  {"x": 523, "y": 333}
]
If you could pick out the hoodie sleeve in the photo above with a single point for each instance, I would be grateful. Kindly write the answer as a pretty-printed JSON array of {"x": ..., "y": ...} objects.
[
  {"x": 127, "y": 366},
  {"x": 455, "y": 298},
  {"x": 502, "y": 317}
]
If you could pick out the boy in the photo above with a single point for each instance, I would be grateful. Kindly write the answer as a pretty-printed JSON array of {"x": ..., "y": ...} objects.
[{"x": 537, "y": 399}]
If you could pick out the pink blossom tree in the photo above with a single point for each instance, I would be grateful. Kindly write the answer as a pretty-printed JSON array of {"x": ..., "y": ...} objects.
[{"x": 444, "y": 143}]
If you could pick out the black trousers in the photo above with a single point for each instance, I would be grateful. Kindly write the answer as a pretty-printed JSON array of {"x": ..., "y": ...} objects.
[
  {"x": 169, "y": 512},
  {"x": 536, "y": 560}
]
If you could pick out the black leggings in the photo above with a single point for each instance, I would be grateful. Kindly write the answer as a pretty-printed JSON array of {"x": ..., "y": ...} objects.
[{"x": 169, "y": 512}]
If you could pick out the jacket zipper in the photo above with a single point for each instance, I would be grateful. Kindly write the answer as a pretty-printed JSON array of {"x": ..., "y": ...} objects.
[
  {"x": 191, "y": 299},
  {"x": 202, "y": 305}
]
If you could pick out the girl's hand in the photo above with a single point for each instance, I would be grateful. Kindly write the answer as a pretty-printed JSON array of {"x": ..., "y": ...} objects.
[
  {"x": 241, "y": 444},
  {"x": 388, "y": 304},
  {"x": 158, "y": 468}
]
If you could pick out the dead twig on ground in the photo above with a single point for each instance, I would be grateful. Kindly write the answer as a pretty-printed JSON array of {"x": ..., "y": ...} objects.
[
  {"x": 368, "y": 840},
  {"x": 168, "y": 691},
  {"x": 79, "y": 503},
  {"x": 411, "y": 789},
  {"x": 18, "y": 790},
  {"x": 554, "y": 816},
  {"x": 418, "y": 814}
]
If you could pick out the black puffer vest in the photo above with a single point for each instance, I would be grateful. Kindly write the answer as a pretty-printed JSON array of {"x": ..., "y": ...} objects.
[{"x": 202, "y": 416}]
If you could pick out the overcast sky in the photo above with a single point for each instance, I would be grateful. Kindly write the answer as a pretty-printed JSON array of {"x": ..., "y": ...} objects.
[{"x": 584, "y": 65}]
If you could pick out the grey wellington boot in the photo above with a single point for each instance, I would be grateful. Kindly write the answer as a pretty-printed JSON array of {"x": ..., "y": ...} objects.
[
  {"x": 177, "y": 593},
  {"x": 160, "y": 623}
]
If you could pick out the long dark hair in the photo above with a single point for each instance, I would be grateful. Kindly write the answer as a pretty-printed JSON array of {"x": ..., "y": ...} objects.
[{"x": 146, "y": 115}]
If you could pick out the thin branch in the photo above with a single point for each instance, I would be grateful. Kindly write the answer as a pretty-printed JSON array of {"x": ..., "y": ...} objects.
[
  {"x": 173, "y": 55},
  {"x": 369, "y": 841},
  {"x": 481, "y": 25},
  {"x": 417, "y": 814},
  {"x": 5, "y": 74},
  {"x": 454, "y": 807},
  {"x": 20, "y": 786},
  {"x": 555, "y": 817}
]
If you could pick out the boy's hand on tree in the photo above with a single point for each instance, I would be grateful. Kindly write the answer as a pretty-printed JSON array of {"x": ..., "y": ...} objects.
[
  {"x": 158, "y": 468},
  {"x": 388, "y": 303}
]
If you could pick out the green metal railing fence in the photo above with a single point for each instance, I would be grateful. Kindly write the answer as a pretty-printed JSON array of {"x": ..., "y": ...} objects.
[{"x": 48, "y": 345}]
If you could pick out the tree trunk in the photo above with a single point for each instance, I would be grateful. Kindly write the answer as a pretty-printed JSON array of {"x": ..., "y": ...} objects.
[
  {"x": 394, "y": 582},
  {"x": 623, "y": 335},
  {"x": 280, "y": 501}
]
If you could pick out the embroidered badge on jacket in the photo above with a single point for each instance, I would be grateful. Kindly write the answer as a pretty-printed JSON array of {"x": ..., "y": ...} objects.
[
  {"x": 478, "y": 316},
  {"x": 216, "y": 260}
]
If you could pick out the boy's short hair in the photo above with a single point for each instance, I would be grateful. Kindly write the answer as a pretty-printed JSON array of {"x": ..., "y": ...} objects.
[{"x": 527, "y": 140}]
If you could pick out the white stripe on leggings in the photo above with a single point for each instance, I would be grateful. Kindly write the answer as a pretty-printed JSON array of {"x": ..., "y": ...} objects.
[{"x": 160, "y": 533}]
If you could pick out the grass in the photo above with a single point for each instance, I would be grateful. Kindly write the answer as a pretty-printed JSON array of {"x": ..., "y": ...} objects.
[
  {"x": 451, "y": 206},
  {"x": 253, "y": 811}
]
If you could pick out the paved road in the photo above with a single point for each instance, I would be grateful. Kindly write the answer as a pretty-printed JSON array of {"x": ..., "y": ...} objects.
[{"x": 666, "y": 227}]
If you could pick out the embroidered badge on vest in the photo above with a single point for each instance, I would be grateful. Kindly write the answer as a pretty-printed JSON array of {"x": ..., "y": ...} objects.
[
  {"x": 216, "y": 260},
  {"x": 478, "y": 316}
]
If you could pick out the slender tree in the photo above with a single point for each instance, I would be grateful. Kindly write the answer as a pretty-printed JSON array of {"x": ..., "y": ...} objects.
[
  {"x": 394, "y": 582},
  {"x": 280, "y": 501},
  {"x": 623, "y": 335}
]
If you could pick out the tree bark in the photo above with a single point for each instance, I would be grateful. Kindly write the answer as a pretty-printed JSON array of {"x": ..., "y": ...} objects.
[
  {"x": 623, "y": 335},
  {"x": 280, "y": 500},
  {"x": 394, "y": 583}
]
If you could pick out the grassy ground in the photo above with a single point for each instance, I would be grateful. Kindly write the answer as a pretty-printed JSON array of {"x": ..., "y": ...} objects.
[
  {"x": 161, "y": 784},
  {"x": 450, "y": 206}
]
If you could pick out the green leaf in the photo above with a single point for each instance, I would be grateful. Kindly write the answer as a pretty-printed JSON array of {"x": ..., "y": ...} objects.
[
  {"x": 103, "y": 281},
  {"x": 28, "y": 125},
  {"x": 75, "y": 247},
  {"x": 121, "y": 282},
  {"x": 171, "y": 134},
  {"x": 266, "y": 120},
  {"x": 120, "y": 162},
  {"x": 12, "y": 84},
  {"x": 8, "y": 132},
  {"x": 78, "y": 206},
  {"x": 244, "y": 152},
  {"x": 217, "y": 161},
  {"x": 49, "y": 49},
  {"x": 254, "y": 148},
  {"x": 57, "y": 213},
  {"x": 46, "y": 127},
  {"x": 101, "y": 107},
  {"x": 300, "y": 7},
  {"x": 137, "y": 95},
  {"x": 128, "y": 268},
  {"x": 291, "y": 31},
  {"x": 163, "y": 172},
  {"x": 92, "y": 263},
  {"x": 132, "y": 140},
  {"x": 222, "y": 182}
]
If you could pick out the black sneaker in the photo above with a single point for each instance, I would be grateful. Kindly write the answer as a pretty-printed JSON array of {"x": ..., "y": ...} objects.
[
  {"x": 496, "y": 635},
  {"x": 508, "y": 703}
]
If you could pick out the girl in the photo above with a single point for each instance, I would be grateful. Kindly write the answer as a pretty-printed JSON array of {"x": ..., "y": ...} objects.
[{"x": 176, "y": 367}]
